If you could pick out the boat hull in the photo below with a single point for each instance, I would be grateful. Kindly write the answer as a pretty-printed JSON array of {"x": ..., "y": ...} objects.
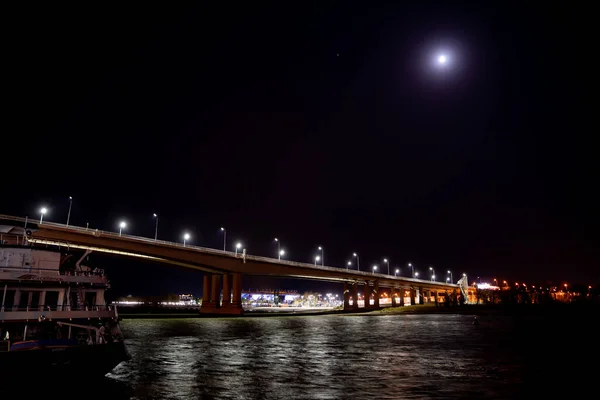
[{"x": 82, "y": 360}]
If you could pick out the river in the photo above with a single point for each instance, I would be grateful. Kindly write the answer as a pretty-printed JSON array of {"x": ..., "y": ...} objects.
[{"x": 351, "y": 357}]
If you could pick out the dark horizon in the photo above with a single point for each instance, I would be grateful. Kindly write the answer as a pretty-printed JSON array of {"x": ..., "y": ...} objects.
[{"x": 322, "y": 126}]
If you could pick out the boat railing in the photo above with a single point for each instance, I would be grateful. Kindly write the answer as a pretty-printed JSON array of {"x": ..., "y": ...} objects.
[
  {"x": 54, "y": 307},
  {"x": 95, "y": 272}
]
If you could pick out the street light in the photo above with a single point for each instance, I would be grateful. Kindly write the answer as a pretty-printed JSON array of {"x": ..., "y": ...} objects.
[
  {"x": 69, "y": 213},
  {"x": 416, "y": 274},
  {"x": 432, "y": 273},
  {"x": 186, "y": 237},
  {"x": 278, "y": 247},
  {"x": 122, "y": 226},
  {"x": 357, "y": 261},
  {"x": 238, "y": 246},
  {"x": 452, "y": 279},
  {"x": 155, "y": 215},
  {"x": 317, "y": 258},
  {"x": 224, "y": 238},
  {"x": 43, "y": 211},
  {"x": 281, "y": 253},
  {"x": 322, "y": 256},
  {"x": 412, "y": 268},
  {"x": 374, "y": 269},
  {"x": 349, "y": 264},
  {"x": 442, "y": 59},
  {"x": 397, "y": 272},
  {"x": 385, "y": 260}
]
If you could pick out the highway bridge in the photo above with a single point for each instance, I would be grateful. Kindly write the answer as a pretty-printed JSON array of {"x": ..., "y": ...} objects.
[{"x": 223, "y": 270}]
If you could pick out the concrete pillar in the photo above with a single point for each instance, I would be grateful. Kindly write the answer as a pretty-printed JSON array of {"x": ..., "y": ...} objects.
[
  {"x": 226, "y": 302},
  {"x": 215, "y": 291},
  {"x": 346, "y": 296},
  {"x": 436, "y": 298},
  {"x": 355, "y": 295},
  {"x": 376, "y": 294},
  {"x": 413, "y": 293},
  {"x": 418, "y": 295},
  {"x": 401, "y": 292},
  {"x": 236, "y": 301},
  {"x": 367, "y": 295},
  {"x": 205, "y": 292},
  {"x": 393, "y": 295}
]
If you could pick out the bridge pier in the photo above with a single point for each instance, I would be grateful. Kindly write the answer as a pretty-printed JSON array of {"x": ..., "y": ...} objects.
[
  {"x": 346, "y": 297},
  {"x": 226, "y": 301},
  {"x": 393, "y": 296},
  {"x": 211, "y": 291},
  {"x": 234, "y": 293},
  {"x": 436, "y": 298},
  {"x": 367, "y": 295},
  {"x": 376, "y": 294},
  {"x": 413, "y": 293},
  {"x": 402, "y": 293},
  {"x": 355, "y": 296}
]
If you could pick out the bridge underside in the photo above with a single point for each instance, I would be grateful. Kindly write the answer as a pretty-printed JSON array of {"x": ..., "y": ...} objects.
[{"x": 222, "y": 283}]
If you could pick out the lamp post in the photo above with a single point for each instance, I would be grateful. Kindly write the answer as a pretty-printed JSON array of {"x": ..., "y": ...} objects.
[
  {"x": 396, "y": 272},
  {"x": 349, "y": 264},
  {"x": 224, "y": 237},
  {"x": 317, "y": 258},
  {"x": 432, "y": 274},
  {"x": 451, "y": 279},
  {"x": 186, "y": 237},
  {"x": 385, "y": 260},
  {"x": 43, "y": 211},
  {"x": 412, "y": 268},
  {"x": 122, "y": 226},
  {"x": 322, "y": 256},
  {"x": 281, "y": 253},
  {"x": 357, "y": 261},
  {"x": 278, "y": 247},
  {"x": 374, "y": 269},
  {"x": 416, "y": 274},
  {"x": 69, "y": 213},
  {"x": 238, "y": 246},
  {"x": 155, "y": 215}
]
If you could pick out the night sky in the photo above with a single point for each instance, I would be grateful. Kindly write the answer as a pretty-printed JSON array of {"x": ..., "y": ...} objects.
[{"x": 324, "y": 124}]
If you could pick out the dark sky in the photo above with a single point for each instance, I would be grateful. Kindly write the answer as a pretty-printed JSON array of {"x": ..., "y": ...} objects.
[{"x": 321, "y": 123}]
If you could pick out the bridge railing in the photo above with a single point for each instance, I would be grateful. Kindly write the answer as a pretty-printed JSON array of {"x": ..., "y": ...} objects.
[{"x": 211, "y": 250}]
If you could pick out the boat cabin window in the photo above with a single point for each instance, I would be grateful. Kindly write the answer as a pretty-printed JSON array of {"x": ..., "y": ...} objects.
[{"x": 51, "y": 299}]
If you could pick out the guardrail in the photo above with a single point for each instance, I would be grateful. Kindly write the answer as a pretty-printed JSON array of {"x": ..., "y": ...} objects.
[
  {"x": 97, "y": 232},
  {"x": 54, "y": 307}
]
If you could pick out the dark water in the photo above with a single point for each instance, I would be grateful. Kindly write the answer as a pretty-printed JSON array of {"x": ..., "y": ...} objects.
[{"x": 353, "y": 357}]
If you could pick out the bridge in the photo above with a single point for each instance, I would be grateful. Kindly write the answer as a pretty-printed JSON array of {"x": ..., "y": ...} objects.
[{"x": 224, "y": 269}]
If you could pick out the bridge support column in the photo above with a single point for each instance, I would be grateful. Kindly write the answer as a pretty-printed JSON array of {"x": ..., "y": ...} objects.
[
  {"x": 436, "y": 298},
  {"x": 215, "y": 291},
  {"x": 393, "y": 296},
  {"x": 236, "y": 301},
  {"x": 413, "y": 294},
  {"x": 355, "y": 296},
  {"x": 367, "y": 295},
  {"x": 226, "y": 302},
  {"x": 346, "y": 297},
  {"x": 402, "y": 293},
  {"x": 376, "y": 294},
  {"x": 206, "y": 306}
]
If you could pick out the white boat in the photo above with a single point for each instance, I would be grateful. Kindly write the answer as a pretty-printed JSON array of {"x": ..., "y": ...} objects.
[{"x": 53, "y": 315}]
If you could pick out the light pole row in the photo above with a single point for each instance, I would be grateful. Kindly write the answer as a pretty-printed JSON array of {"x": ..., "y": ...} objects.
[{"x": 280, "y": 252}]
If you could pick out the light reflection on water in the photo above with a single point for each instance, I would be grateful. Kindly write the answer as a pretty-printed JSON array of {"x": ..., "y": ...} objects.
[
  {"x": 319, "y": 357},
  {"x": 340, "y": 357}
]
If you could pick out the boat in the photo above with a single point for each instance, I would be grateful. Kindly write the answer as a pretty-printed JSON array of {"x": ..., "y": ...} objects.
[{"x": 53, "y": 315}]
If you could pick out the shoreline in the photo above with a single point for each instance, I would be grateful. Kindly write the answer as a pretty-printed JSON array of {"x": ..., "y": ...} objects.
[{"x": 471, "y": 309}]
